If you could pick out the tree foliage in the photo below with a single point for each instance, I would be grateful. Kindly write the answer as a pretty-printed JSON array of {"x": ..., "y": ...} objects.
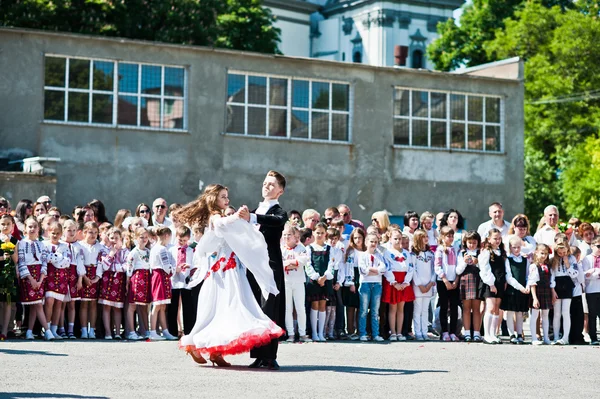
[
  {"x": 581, "y": 181},
  {"x": 234, "y": 24}
]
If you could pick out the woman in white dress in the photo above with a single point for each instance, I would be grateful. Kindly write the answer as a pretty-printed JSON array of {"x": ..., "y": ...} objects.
[{"x": 229, "y": 321}]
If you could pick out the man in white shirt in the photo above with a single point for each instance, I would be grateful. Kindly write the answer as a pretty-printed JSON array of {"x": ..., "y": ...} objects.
[
  {"x": 546, "y": 233},
  {"x": 159, "y": 213},
  {"x": 497, "y": 221}
]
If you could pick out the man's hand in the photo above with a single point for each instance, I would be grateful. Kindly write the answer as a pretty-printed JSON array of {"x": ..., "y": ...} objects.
[{"x": 244, "y": 213}]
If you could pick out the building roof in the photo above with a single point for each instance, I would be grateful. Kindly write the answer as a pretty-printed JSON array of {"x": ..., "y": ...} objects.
[
  {"x": 338, "y": 6},
  {"x": 301, "y": 6}
]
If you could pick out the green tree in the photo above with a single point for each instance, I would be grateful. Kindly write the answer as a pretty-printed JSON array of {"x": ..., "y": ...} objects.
[
  {"x": 234, "y": 24},
  {"x": 581, "y": 181}
]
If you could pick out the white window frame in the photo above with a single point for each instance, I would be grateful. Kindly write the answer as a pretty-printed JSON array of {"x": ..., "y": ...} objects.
[
  {"x": 116, "y": 93},
  {"x": 290, "y": 108},
  {"x": 449, "y": 121}
]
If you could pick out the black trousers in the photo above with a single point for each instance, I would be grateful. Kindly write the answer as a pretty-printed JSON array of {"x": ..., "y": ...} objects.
[
  {"x": 593, "y": 301},
  {"x": 409, "y": 308},
  {"x": 194, "y": 292},
  {"x": 273, "y": 308},
  {"x": 576, "y": 334},
  {"x": 188, "y": 311},
  {"x": 340, "y": 312},
  {"x": 448, "y": 298}
]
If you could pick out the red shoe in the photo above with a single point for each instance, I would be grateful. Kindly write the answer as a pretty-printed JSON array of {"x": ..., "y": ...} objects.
[{"x": 2, "y": 337}]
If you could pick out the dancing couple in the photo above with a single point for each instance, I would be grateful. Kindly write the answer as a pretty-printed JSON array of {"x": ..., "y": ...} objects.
[{"x": 241, "y": 305}]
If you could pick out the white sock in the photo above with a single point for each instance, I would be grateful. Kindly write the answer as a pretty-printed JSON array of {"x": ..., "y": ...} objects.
[
  {"x": 495, "y": 323},
  {"x": 321, "y": 326},
  {"x": 49, "y": 327},
  {"x": 487, "y": 318},
  {"x": 91, "y": 330},
  {"x": 546, "y": 323},
  {"x": 84, "y": 330},
  {"x": 532, "y": 323},
  {"x": 519, "y": 317},
  {"x": 331, "y": 324},
  {"x": 71, "y": 325},
  {"x": 53, "y": 328},
  {"x": 314, "y": 315},
  {"x": 510, "y": 323}
]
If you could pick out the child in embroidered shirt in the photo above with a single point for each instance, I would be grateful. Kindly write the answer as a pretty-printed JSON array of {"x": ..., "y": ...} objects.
[
  {"x": 372, "y": 266},
  {"x": 468, "y": 270},
  {"x": 162, "y": 265},
  {"x": 566, "y": 276},
  {"x": 542, "y": 293},
  {"x": 516, "y": 297},
  {"x": 56, "y": 287},
  {"x": 295, "y": 258},
  {"x": 398, "y": 294},
  {"x": 338, "y": 250},
  {"x": 139, "y": 293},
  {"x": 492, "y": 270},
  {"x": 427, "y": 225},
  {"x": 424, "y": 282},
  {"x": 350, "y": 276},
  {"x": 112, "y": 292},
  {"x": 447, "y": 283},
  {"x": 320, "y": 273},
  {"x": 8, "y": 258},
  {"x": 76, "y": 273},
  {"x": 181, "y": 295},
  {"x": 93, "y": 252},
  {"x": 32, "y": 273}
]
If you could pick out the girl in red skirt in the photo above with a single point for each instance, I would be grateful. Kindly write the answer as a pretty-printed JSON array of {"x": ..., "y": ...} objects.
[
  {"x": 162, "y": 265},
  {"x": 57, "y": 282},
  {"x": 76, "y": 273},
  {"x": 112, "y": 286},
  {"x": 93, "y": 252},
  {"x": 32, "y": 272},
  {"x": 401, "y": 291},
  {"x": 138, "y": 283}
]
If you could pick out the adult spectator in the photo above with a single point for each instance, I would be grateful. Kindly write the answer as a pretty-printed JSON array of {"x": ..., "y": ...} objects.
[
  {"x": 333, "y": 213},
  {"x": 143, "y": 211},
  {"x": 587, "y": 234},
  {"x": 381, "y": 221},
  {"x": 99, "y": 211},
  {"x": 39, "y": 210},
  {"x": 520, "y": 227},
  {"x": 5, "y": 209},
  {"x": 452, "y": 218},
  {"x": 496, "y": 221},
  {"x": 295, "y": 218},
  {"x": 346, "y": 214},
  {"x": 310, "y": 217},
  {"x": 54, "y": 212},
  {"x": 159, "y": 213},
  {"x": 411, "y": 224},
  {"x": 44, "y": 199},
  {"x": 549, "y": 228},
  {"x": 86, "y": 214},
  {"x": 23, "y": 210}
]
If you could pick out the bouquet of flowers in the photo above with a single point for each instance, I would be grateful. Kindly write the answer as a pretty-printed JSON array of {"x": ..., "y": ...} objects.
[
  {"x": 563, "y": 227},
  {"x": 8, "y": 272}
]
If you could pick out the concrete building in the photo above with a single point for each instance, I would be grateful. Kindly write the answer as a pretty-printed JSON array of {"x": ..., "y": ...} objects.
[
  {"x": 380, "y": 33},
  {"x": 132, "y": 120}
]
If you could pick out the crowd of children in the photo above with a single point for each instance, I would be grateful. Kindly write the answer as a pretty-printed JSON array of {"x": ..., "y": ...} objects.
[{"x": 61, "y": 274}]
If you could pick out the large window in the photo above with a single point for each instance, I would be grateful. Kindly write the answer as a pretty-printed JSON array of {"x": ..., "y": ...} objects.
[
  {"x": 273, "y": 106},
  {"x": 85, "y": 91},
  {"x": 445, "y": 120}
]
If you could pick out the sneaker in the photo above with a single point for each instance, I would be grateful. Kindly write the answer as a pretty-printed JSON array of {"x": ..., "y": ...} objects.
[
  {"x": 513, "y": 340},
  {"x": 71, "y": 335},
  {"x": 331, "y": 337},
  {"x": 363, "y": 338},
  {"x": 322, "y": 339},
  {"x": 353, "y": 337},
  {"x": 498, "y": 341},
  {"x": 547, "y": 342},
  {"x": 445, "y": 337},
  {"x": 401, "y": 337},
  {"x": 147, "y": 335},
  {"x": 342, "y": 335},
  {"x": 425, "y": 337},
  {"x": 29, "y": 336},
  {"x": 520, "y": 340},
  {"x": 378, "y": 338},
  {"x": 84, "y": 335},
  {"x": 166, "y": 334},
  {"x": 419, "y": 337},
  {"x": 393, "y": 337},
  {"x": 48, "y": 336},
  {"x": 454, "y": 338},
  {"x": 132, "y": 336},
  {"x": 118, "y": 337},
  {"x": 305, "y": 338},
  {"x": 536, "y": 342},
  {"x": 92, "y": 334},
  {"x": 155, "y": 337},
  {"x": 409, "y": 337},
  {"x": 468, "y": 338},
  {"x": 57, "y": 336},
  {"x": 477, "y": 338},
  {"x": 315, "y": 338},
  {"x": 290, "y": 339},
  {"x": 489, "y": 341},
  {"x": 108, "y": 338},
  {"x": 63, "y": 334},
  {"x": 560, "y": 342}
]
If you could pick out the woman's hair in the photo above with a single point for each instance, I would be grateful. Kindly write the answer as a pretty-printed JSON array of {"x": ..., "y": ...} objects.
[
  {"x": 99, "y": 210},
  {"x": 519, "y": 220},
  {"x": 21, "y": 210},
  {"x": 409, "y": 215},
  {"x": 445, "y": 231},
  {"x": 460, "y": 224},
  {"x": 121, "y": 215},
  {"x": 537, "y": 259},
  {"x": 470, "y": 235},
  {"x": 488, "y": 245},
  {"x": 356, "y": 232},
  {"x": 583, "y": 227},
  {"x": 419, "y": 242},
  {"x": 382, "y": 219},
  {"x": 200, "y": 210},
  {"x": 83, "y": 211},
  {"x": 560, "y": 244}
]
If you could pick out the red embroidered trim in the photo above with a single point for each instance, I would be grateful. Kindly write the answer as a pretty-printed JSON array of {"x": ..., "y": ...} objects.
[
  {"x": 215, "y": 268},
  {"x": 230, "y": 263},
  {"x": 244, "y": 343}
]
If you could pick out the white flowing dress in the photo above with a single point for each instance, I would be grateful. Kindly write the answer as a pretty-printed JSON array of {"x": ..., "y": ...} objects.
[{"x": 229, "y": 320}]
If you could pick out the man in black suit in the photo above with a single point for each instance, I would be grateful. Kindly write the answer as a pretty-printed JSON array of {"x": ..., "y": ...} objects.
[{"x": 271, "y": 218}]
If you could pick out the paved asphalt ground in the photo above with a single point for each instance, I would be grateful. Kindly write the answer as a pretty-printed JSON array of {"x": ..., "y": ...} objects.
[{"x": 99, "y": 369}]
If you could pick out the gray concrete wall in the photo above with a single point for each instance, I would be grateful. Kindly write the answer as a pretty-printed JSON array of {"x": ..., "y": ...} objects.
[
  {"x": 123, "y": 167},
  {"x": 15, "y": 186}
]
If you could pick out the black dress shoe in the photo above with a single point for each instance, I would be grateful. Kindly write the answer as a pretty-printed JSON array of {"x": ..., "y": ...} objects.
[
  {"x": 258, "y": 363},
  {"x": 272, "y": 364}
]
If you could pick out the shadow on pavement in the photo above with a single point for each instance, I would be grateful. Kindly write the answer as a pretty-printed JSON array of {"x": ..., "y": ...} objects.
[
  {"x": 338, "y": 369},
  {"x": 28, "y": 352},
  {"x": 10, "y": 395}
]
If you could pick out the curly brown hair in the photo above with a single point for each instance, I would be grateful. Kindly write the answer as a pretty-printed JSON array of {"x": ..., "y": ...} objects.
[{"x": 200, "y": 210}]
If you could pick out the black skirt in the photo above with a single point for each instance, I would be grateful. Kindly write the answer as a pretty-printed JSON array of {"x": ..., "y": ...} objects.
[
  {"x": 349, "y": 298},
  {"x": 485, "y": 291},
  {"x": 515, "y": 301}
]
